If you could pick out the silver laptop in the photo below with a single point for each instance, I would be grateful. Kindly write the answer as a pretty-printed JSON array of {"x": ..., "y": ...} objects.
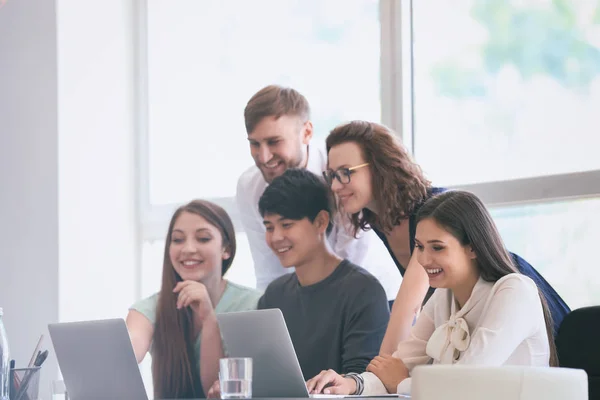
[
  {"x": 97, "y": 361},
  {"x": 263, "y": 336}
]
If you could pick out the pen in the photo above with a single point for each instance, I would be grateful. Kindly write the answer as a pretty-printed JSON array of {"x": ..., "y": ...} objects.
[
  {"x": 35, "y": 351},
  {"x": 41, "y": 358},
  {"x": 12, "y": 377},
  {"x": 37, "y": 357}
]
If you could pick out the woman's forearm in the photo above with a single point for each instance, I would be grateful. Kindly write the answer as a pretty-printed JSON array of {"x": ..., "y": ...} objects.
[
  {"x": 398, "y": 328},
  {"x": 211, "y": 351},
  {"x": 141, "y": 332},
  {"x": 406, "y": 306}
]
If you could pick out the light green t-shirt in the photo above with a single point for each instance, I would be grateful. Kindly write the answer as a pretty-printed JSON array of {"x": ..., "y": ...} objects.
[{"x": 234, "y": 298}]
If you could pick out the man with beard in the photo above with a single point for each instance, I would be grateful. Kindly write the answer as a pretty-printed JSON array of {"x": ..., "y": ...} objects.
[{"x": 279, "y": 132}]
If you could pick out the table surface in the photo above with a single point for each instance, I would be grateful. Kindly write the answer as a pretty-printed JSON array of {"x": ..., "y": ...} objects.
[{"x": 324, "y": 396}]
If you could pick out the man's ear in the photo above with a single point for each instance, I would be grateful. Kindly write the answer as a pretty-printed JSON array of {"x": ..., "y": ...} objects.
[
  {"x": 307, "y": 132},
  {"x": 322, "y": 221}
]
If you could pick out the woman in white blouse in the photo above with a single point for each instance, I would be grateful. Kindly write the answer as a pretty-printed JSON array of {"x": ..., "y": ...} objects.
[{"x": 486, "y": 313}]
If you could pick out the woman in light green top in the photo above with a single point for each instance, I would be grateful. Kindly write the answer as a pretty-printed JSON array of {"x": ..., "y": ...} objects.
[{"x": 178, "y": 324}]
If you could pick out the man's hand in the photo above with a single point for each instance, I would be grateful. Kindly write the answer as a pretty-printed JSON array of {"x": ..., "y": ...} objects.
[
  {"x": 330, "y": 382},
  {"x": 390, "y": 370}
]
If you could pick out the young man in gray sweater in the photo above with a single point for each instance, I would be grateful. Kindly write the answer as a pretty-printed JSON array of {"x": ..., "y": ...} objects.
[{"x": 336, "y": 312}]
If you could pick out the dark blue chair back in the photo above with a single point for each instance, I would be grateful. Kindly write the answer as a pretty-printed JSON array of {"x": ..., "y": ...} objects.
[{"x": 578, "y": 345}]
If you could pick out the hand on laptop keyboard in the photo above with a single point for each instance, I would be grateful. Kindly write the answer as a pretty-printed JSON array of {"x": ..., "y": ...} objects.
[{"x": 330, "y": 382}]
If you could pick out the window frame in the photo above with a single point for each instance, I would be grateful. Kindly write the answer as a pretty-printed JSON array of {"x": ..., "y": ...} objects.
[{"x": 500, "y": 193}]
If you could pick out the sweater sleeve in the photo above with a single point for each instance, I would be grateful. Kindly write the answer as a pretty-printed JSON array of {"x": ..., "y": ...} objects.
[
  {"x": 412, "y": 351},
  {"x": 367, "y": 321}
]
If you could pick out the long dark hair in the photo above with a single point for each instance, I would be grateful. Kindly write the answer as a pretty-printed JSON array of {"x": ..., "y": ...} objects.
[
  {"x": 398, "y": 182},
  {"x": 174, "y": 370},
  {"x": 465, "y": 216}
]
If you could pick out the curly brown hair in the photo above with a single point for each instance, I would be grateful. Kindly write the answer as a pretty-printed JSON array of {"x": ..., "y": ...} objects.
[{"x": 399, "y": 184}]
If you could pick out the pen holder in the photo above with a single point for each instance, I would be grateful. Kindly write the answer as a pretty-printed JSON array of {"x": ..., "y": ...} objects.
[{"x": 25, "y": 383}]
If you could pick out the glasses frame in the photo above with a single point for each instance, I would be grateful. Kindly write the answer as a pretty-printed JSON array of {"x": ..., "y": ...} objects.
[{"x": 330, "y": 174}]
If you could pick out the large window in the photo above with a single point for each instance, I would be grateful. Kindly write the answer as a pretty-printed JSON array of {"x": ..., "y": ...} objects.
[
  {"x": 496, "y": 96},
  {"x": 203, "y": 60},
  {"x": 506, "y": 105},
  {"x": 506, "y": 89},
  {"x": 558, "y": 239},
  {"x": 206, "y": 59}
]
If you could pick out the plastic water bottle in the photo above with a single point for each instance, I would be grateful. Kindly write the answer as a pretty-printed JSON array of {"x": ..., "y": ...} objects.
[{"x": 4, "y": 362}]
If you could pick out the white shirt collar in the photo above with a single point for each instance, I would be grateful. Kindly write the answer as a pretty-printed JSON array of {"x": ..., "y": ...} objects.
[{"x": 317, "y": 158}]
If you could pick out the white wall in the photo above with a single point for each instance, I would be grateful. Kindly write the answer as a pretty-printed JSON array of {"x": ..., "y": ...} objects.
[
  {"x": 28, "y": 176},
  {"x": 98, "y": 254},
  {"x": 68, "y": 248}
]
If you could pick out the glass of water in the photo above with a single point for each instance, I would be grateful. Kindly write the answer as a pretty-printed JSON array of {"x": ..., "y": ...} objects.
[
  {"x": 59, "y": 391},
  {"x": 235, "y": 378}
]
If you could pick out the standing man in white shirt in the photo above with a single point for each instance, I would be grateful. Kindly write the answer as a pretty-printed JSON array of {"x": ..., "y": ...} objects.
[{"x": 279, "y": 133}]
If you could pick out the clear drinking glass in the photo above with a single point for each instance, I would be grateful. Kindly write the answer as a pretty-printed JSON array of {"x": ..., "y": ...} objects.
[
  {"x": 235, "y": 378},
  {"x": 59, "y": 391}
]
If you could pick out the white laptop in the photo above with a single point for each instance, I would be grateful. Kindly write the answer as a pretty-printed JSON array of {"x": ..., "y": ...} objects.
[
  {"x": 263, "y": 336},
  {"x": 97, "y": 361}
]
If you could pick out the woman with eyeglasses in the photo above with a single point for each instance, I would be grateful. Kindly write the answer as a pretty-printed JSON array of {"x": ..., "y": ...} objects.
[{"x": 380, "y": 187}]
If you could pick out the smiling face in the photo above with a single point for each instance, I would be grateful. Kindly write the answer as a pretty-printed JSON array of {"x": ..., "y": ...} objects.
[
  {"x": 277, "y": 144},
  {"x": 295, "y": 241},
  {"x": 196, "y": 249},
  {"x": 358, "y": 193},
  {"x": 447, "y": 262}
]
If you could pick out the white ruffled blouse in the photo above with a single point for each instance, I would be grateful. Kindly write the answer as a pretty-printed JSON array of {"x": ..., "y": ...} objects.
[{"x": 501, "y": 323}]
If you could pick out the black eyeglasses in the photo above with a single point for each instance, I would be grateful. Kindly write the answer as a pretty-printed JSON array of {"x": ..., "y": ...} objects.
[{"x": 341, "y": 174}]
